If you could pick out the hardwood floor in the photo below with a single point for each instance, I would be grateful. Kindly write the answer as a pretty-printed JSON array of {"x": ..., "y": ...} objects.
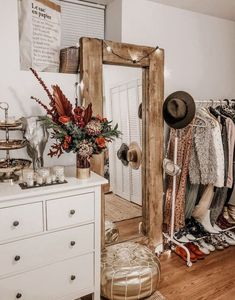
[
  {"x": 209, "y": 279},
  {"x": 128, "y": 229}
]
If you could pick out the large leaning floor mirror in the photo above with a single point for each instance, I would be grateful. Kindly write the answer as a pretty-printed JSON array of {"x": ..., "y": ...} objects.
[
  {"x": 124, "y": 83},
  {"x": 122, "y": 102}
]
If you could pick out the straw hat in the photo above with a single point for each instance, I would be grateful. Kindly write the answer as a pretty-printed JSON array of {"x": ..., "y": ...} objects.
[{"x": 134, "y": 156}]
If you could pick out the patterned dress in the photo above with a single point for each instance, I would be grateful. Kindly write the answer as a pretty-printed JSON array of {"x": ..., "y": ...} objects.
[{"x": 183, "y": 158}]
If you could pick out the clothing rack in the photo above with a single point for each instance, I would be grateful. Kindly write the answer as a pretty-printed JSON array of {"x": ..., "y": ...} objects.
[
  {"x": 212, "y": 102},
  {"x": 170, "y": 237}
]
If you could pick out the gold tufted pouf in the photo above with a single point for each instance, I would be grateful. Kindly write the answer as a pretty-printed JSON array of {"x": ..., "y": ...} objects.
[{"x": 129, "y": 271}]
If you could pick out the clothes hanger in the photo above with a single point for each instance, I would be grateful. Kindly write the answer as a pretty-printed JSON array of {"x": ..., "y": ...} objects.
[{"x": 227, "y": 101}]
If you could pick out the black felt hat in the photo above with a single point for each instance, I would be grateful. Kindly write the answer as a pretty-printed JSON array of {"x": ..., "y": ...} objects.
[
  {"x": 179, "y": 109},
  {"x": 122, "y": 154}
]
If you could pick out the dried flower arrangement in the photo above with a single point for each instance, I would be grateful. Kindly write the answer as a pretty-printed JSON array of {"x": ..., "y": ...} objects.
[{"x": 75, "y": 129}]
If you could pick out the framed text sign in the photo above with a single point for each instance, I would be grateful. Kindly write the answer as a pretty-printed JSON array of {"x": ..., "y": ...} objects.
[{"x": 39, "y": 35}]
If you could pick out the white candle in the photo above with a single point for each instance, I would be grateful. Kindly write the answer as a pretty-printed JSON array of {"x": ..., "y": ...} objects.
[
  {"x": 48, "y": 179},
  {"x": 61, "y": 178},
  {"x": 53, "y": 178},
  {"x": 30, "y": 182},
  {"x": 39, "y": 180}
]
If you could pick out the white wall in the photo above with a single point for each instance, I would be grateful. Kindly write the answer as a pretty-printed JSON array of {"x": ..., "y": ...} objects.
[
  {"x": 17, "y": 86},
  {"x": 199, "y": 49},
  {"x": 113, "y": 21}
]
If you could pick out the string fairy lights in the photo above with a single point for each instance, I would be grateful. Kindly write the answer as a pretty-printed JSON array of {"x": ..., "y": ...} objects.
[{"x": 134, "y": 60}]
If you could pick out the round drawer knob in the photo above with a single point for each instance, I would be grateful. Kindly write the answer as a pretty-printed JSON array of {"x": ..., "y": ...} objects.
[
  {"x": 18, "y": 295},
  {"x": 73, "y": 277},
  {"x": 72, "y": 243},
  {"x": 16, "y": 223},
  {"x": 72, "y": 212},
  {"x": 17, "y": 258}
]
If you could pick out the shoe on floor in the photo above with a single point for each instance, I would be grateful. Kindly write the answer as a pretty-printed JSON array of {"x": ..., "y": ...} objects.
[
  {"x": 180, "y": 236},
  {"x": 206, "y": 223},
  {"x": 223, "y": 223},
  {"x": 217, "y": 244},
  {"x": 195, "y": 249},
  {"x": 206, "y": 244},
  {"x": 182, "y": 253},
  {"x": 201, "y": 247},
  {"x": 230, "y": 234},
  {"x": 195, "y": 228},
  {"x": 190, "y": 237},
  {"x": 230, "y": 241},
  {"x": 223, "y": 241}
]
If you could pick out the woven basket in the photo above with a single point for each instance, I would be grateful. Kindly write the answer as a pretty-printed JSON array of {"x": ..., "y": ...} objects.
[{"x": 69, "y": 60}]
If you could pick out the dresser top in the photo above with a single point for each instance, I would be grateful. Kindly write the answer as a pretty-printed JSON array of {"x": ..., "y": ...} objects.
[{"x": 10, "y": 191}]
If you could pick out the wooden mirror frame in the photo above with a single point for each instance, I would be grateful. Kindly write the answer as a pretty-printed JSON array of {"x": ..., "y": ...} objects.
[{"x": 93, "y": 54}]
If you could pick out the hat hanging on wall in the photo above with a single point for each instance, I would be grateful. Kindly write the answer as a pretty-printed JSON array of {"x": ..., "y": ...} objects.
[
  {"x": 179, "y": 109},
  {"x": 122, "y": 154},
  {"x": 134, "y": 155}
]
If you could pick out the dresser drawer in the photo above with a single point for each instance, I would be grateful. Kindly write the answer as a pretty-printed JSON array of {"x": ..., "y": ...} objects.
[
  {"x": 38, "y": 251},
  {"x": 51, "y": 283},
  {"x": 21, "y": 220},
  {"x": 70, "y": 210}
]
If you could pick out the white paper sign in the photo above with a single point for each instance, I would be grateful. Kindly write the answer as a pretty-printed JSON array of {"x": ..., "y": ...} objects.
[{"x": 39, "y": 34}]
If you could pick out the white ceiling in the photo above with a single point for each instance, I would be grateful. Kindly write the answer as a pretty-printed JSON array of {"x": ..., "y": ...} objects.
[{"x": 219, "y": 8}]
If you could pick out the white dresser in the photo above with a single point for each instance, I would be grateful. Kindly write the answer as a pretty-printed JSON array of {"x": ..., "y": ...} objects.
[{"x": 50, "y": 240}]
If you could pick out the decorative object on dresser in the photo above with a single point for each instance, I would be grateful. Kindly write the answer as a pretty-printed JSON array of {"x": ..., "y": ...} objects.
[
  {"x": 129, "y": 271},
  {"x": 75, "y": 129},
  {"x": 50, "y": 241},
  {"x": 36, "y": 134},
  {"x": 42, "y": 177},
  {"x": 9, "y": 166}
]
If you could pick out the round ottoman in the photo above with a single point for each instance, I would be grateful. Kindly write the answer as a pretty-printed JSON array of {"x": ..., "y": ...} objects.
[{"x": 129, "y": 271}]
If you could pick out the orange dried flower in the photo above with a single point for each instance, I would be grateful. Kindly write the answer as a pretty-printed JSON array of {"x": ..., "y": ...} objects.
[
  {"x": 64, "y": 119},
  {"x": 100, "y": 141},
  {"x": 68, "y": 139}
]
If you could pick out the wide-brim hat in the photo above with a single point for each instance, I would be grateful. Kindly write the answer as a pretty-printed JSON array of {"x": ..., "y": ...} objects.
[
  {"x": 179, "y": 109},
  {"x": 134, "y": 156}
]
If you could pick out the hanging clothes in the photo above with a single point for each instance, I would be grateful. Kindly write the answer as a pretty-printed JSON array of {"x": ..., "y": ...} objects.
[
  {"x": 207, "y": 160},
  {"x": 183, "y": 158},
  {"x": 222, "y": 121},
  {"x": 204, "y": 204},
  {"x": 230, "y": 127},
  {"x": 191, "y": 196}
]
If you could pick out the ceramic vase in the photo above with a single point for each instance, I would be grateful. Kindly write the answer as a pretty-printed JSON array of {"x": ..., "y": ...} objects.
[{"x": 83, "y": 169}]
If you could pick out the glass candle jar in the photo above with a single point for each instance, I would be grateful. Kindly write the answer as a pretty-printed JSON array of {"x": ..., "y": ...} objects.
[
  {"x": 44, "y": 173},
  {"x": 58, "y": 171}
]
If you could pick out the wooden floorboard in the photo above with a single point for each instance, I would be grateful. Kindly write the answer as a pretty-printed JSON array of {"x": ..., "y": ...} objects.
[
  {"x": 128, "y": 229},
  {"x": 210, "y": 279}
]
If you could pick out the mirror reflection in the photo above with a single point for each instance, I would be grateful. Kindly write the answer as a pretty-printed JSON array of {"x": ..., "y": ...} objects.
[{"x": 122, "y": 103}]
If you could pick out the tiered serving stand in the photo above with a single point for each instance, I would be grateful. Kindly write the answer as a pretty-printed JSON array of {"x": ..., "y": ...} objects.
[{"x": 8, "y": 165}]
